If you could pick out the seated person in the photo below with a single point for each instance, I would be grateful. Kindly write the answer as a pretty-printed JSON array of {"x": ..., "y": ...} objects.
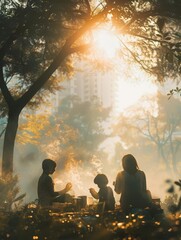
[
  {"x": 46, "y": 193},
  {"x": 105, "y": 193},
  {"x": 131, "y": 184}
]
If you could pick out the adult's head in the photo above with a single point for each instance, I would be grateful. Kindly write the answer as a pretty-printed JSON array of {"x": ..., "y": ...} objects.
[
  {"x": 48, "y": 166},
  {"x": 101, "y": 180},
  {"x": 129, "y": 164}
]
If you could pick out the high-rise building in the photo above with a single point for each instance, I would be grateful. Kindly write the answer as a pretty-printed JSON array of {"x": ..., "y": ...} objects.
[{"x": 86, "y": 85}]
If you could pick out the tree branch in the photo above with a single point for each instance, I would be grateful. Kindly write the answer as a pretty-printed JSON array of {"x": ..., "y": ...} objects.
[
  {"x": 136, "y": 59},
  {"x": 13, "y": 36},
  {"x": 66, "y": 50},
  {"x": 2, "y": 132},
  {"x": 154, "y": 40},
  {"x": 5, "y": 91}
]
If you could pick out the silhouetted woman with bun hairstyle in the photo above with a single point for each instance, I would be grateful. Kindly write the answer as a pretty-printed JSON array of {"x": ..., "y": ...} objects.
[{"x": 131, "y": 184}]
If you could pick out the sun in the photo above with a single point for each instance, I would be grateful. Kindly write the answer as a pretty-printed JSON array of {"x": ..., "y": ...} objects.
[
  {"x": 132, "y": 83},
  {"x": 105, "y": 43}
]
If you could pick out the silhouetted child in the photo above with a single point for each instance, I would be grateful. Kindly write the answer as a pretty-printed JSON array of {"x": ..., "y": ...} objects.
[
  {"x": 105, "y": 193},
  {"x": 46, "y": 193}
]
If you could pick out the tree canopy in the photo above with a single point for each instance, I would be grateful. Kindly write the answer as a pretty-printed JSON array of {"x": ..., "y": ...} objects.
[
  {"x": 156, "y": 131},
  {"x": 34, "y": 32},
  {"x": 38, "y": 37}
]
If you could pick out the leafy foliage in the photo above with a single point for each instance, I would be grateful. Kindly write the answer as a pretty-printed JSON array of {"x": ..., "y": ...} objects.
[
  {"x": 30, "y": 54},
  {"x": 35, "y": 223},
  {"x": 172, "y": 202},
  {"x": 41, "y": 35},
  {"x": 155, "y": 26},
  {"x": 86, "y": 118},
  {"x": 75, "y": 131},
  {"x": 9, "y": 191},
  {"x": 158, "y": 127},
  {"x": 32, "y": 128},
  {"x": 39, "y": 29},
  {"x": 173, "y": 92}
]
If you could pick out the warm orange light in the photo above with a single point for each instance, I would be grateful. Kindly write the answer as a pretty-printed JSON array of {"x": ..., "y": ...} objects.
[{"x": 105, "y": 43}]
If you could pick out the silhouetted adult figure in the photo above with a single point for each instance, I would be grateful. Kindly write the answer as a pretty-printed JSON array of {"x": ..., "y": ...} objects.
[
  {"x": 46, "y": 193},
  {"x": 131, "y": 184},
  {"x": 105, "y": 193}
]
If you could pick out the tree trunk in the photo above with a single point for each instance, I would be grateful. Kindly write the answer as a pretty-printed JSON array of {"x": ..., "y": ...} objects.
[
  {"x": 165, "y": 158},
  {"x": 9, "y": 142}
]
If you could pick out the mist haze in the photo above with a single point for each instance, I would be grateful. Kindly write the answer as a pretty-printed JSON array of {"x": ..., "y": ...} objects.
[{"x": 124, "y": 135}]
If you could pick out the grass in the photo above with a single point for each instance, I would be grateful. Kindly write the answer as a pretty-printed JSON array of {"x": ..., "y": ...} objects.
[{"x": 32, "y": 222}]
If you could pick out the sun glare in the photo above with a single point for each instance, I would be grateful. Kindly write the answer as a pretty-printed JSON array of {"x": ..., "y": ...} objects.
[
  {"x": 131, "y": 87},
  {"x": 105, "y": 43},
  {"x": 131, "y": 92},
  {"x": 132, "y": 82}
]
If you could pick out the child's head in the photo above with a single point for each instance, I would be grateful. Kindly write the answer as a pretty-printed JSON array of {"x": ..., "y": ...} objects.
[
  {"x": 48, "y": 166},
  {"x": 101, "y": 180}
]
